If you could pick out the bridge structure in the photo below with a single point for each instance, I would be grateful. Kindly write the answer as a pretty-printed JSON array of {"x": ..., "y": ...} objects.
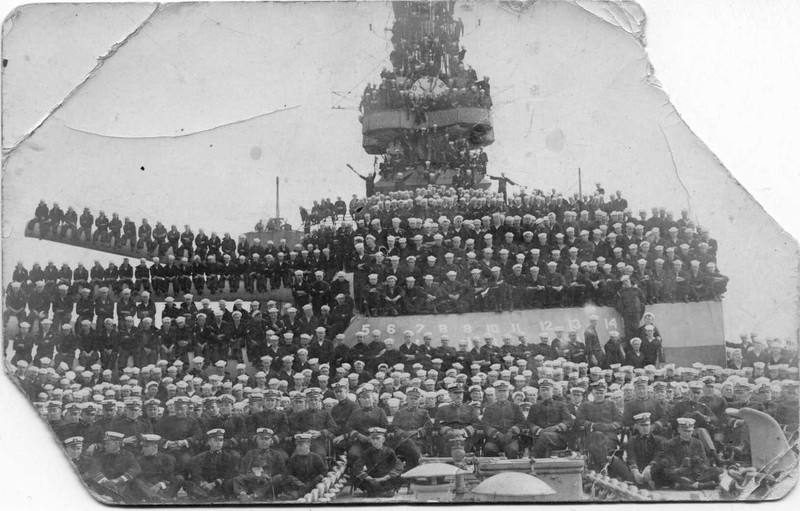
[{"x": 431, "y": 108}]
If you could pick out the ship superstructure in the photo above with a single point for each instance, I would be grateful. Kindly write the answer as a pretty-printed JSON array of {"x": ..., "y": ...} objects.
[{"x": 430, "y": 115}]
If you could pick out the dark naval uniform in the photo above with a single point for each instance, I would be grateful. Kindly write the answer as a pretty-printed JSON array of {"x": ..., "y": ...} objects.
[
  {"x": 273, "y": 419},
  {"x": 377, "y": 464},
  {"x": 549, "y": 423},
  {"x": 502, "y": 423},
  {"x": 687, "y": 463},
  {"x": 130, "y": 428},
  {"x": 358, "y": 427},
  {"x": 637, "y": 406},
  {"x": 159, "y": 468},
  {"x": 452, "y": 417},
  {"x": 314, "y": 420},
  {"x": 217, "y": 467},
  {"x": 273, "y": 467},
  {"x": 303, "y": 472},
  {"x": 647, "y": 451},
  {"x": 341, "y": 414},
  {"x": 121, "y": 464},
  {"x": 174, "y": 429},
  {"x": 603, "y": 417},
  {"x": 410, "y": 428}
]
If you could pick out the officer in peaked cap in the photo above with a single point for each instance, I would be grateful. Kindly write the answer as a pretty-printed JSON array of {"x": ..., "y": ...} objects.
[
  {"x": 262, "y": 469},
  {"x": 687, "y": 465},
  {"x": 644, "y": 450},
  {"x": 158, "y": 480},
  {"x": 305, "y": 468},
  {"x": 456, "y": 421},
  {"x": 503, "y": 422},
  {"x": 341, "y": 411},
  {"x": 549, "y": 420},
  {"x": 313, "y": 419},
  {"x": 377, "y": 471},
  {"x": 115, "y": 468},
  {"x": 693, "y": 408},
  {"x": 180, "y": 431},
  {"x": 410, "y": 426},
  {"x": 74, "y": 449},
  {"x": 366, "y": 416},
  {"x": 212, "y": 471},
  {"x": 643, "y": 402},
  {"x": 600, "y": 415},
  {"x": 132, "y": 425}
]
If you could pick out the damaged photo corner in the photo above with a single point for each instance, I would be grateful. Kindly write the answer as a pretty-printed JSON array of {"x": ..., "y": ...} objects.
[{"x": 244, "y": 118}]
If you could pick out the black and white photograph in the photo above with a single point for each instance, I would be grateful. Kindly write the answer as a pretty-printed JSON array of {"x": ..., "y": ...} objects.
[{"x": 401, "y": 252}]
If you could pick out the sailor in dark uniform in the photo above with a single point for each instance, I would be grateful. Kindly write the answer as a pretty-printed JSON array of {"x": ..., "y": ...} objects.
[
  {"x": 313, "y": 420},
  {"x": 268, "y": 417},
  {"x": 601, "y": 421},
  {"x": 704, "y": 419},
  {"x": 180, "y": 432},
  {"x": 645, "y": 453},
  {"x": 158, "y": 481},
  {"x": 212, "y": 471},
  {"x": 361, "y": 419},
  {"x": 115, "y": 468},
  {"x": 502, "y": 423},
  {"x": 642, "y": 402},
  {"x": 687, "y": 466},
  {"x": 262, "y": 469},
  {"x": 74, "y": 449},
  {"x": 456, "y": 421},
  {"x": 377, "y": 471},
  {"x": 132, "y": 425},
  {"x": 410, "y": 425},
  {"x": 550, "y": 421},
  {"x": 305, "y": 468}
]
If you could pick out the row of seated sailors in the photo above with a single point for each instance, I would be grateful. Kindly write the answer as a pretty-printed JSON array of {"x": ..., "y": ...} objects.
[
  {"x": 527, "y": 233},
  {"x": 55, "y": 223},
  {"x": 530, "y": 291},
  {"x": 420, "y": 237},
  {"x": 330, "y": 320},
  {"x": 49, "y": 379},
  {"x": 277, "y": 472},
  {"x": 438, "y": 256},
  {"x": 566, "y": 250},
  {"x": 488, "y": 425},
  {"x": 254, "y": 335},
  {"x": 475, "y": 203},
  {"x": 535, "y": 246},
  {"x": 237, "y": 334},
  {"x": 663, "y": 279},
  {"x": 103, "y": 349},
  {"x": 312, "y": 362},
  {"x": 478, "y": 205},
  {"x": 157, "y": 276},
  {"x": 708, "y": 373}
]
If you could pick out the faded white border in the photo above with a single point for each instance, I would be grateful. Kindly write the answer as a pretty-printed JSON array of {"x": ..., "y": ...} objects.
[{"x": 34, "y": 476}]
